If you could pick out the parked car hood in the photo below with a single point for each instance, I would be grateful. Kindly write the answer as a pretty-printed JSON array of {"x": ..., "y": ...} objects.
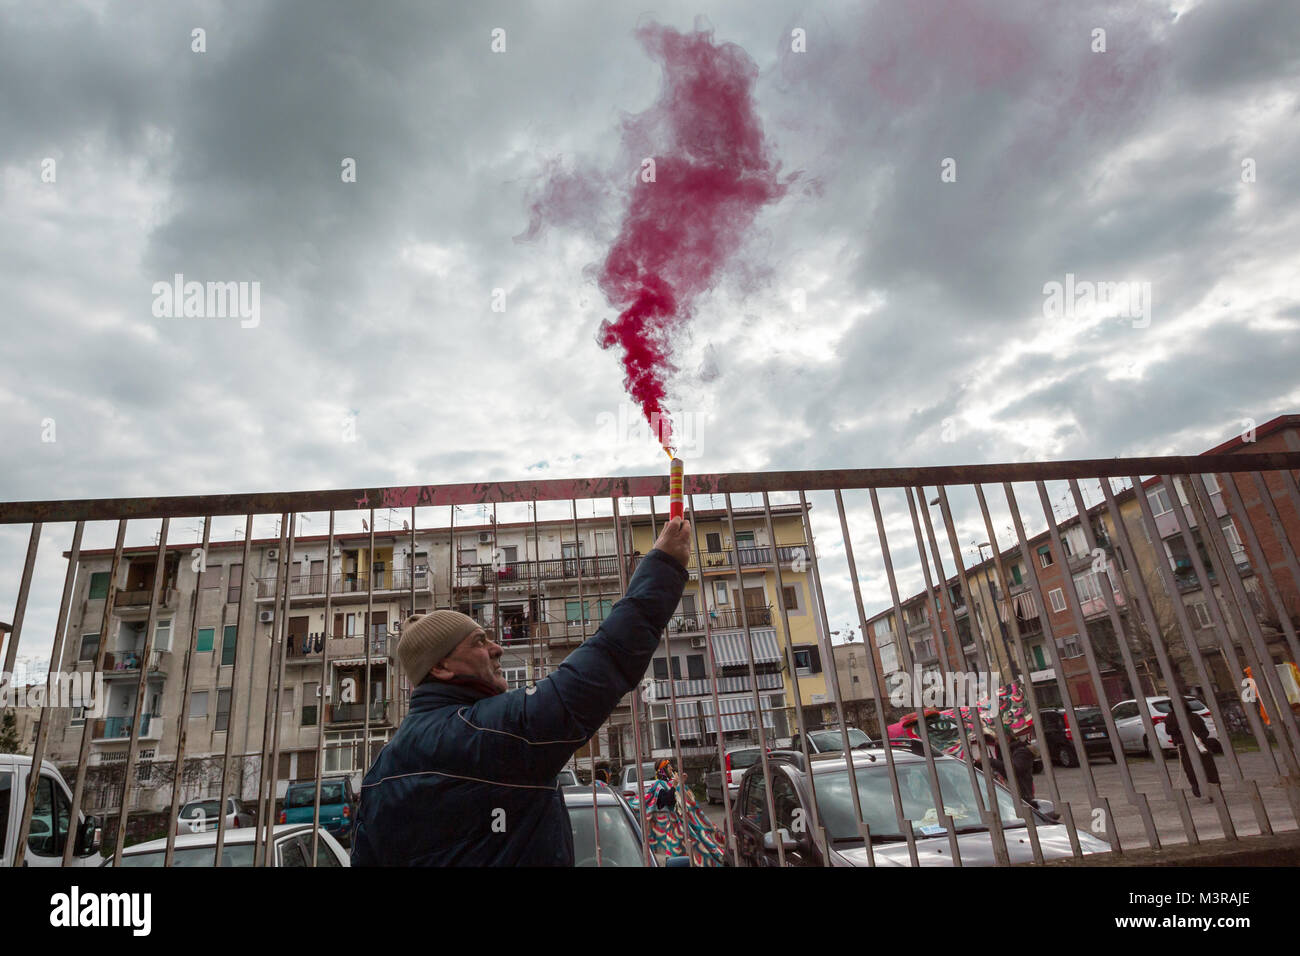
[{"x": 976, "y": 848}]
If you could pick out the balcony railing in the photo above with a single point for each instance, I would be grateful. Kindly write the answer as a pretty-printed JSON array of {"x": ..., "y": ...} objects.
[
  {"x": 139, "y": 598},
  {"x": 356, "y": 713},
  {"x": 721, "y": 620},
  {"x": 726, "y": 685},
  {"x": 311, "y": 585},
  {"x": 119, "y": 728},
  {"x": 127, "y": 663}
]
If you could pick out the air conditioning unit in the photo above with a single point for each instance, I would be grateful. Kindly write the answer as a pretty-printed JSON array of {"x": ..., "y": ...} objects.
[
  {"x": 266, "y": 617},
  {"x": 484, "y": 537},
  {"x": 697, "y": 642},
  {"x": 273, "y": 554}
]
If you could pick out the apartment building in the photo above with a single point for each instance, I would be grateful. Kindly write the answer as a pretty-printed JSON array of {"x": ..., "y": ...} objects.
[
  {"x": 541, "y": 587},
  {"x": 1081, "y": 598}
]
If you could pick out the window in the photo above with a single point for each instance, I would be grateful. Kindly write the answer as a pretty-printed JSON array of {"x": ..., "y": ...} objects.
[
  {"x": 310, "y": 708},
  {"x": 1045, "y": 558},
  {"x": 604, "y": 542},
  {"x": 1015, "y": 573},
  {"x": 206, "y": 636},
  {"x": 50, "y": 817},
  {"x": 89, "y": 647},
  {"x": 695, "y": 666},
  {"x": 1202, "y": 613},
  {"x": 466, "y": 556},
  {"x": 228, "y": 644},
  {"x": 199, "y": 704},
  {"x": 1235, "y": 547},
  {"x": 235, "y": 585},
  {"x": 1159, "y": 500},
  {"x": 1212, "y": 484},
  {"x": 162, "y": 636},
  {"x": 1039, "y": 659},
  {"x": 790, "y": 596},
  {"x": 803, "y": 663},
  {"x": 1057, "y": 597},
  {"x": 223, "y": 709},
  {"x": 1085, "y": 585},
  {"x": 573, "y": 612},
  {"x": 754, "y": 805},
  {"x": 6, "y": 788},
  {"x": 744, "y": 539},
  {"x": 713, "y": 542},
  {"x": 515, "y": 677},
  {"x": 1070, "y": 646},
  {"x": 78, "y": 720},
  {"x": 720, "y": 592},
  {"x": 99, "y": 585}
]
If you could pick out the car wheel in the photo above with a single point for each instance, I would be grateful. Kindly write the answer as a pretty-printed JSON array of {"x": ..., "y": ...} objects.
[{"x": 1065, "y": 755}]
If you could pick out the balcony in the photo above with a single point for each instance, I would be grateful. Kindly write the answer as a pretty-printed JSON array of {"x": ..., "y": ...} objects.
[
  {"x": 356, "y": 713},
  {"x": 703, "y": 687},
  {"x": 119, "y": 728},
  {"x": 720, "y": 620},
  {"x": 136, "y": 600},
  {"x": 345, "y": 585},
  {"x": 119, "y": 664},
  {"x": 353, "y": 646}
]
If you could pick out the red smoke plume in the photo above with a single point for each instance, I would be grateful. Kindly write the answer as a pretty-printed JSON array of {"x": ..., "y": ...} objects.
[{"x": 712, "y": 173}]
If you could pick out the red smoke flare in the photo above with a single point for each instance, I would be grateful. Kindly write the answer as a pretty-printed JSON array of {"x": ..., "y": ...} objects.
[{"x": 712, "y": 174}]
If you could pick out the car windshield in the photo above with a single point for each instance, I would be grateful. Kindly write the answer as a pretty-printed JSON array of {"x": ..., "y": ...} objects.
[
  {"x": 207, "y": 809},
  {"x": 237, "y": 854},
  {"x": 741, "y": 759},
  {"x": 619, "y": 845},
  {"x": 827, "y": 741},
  {"x": 631, "y": 772},
  {"x": 568, "y": 778},
  {"x": 1089, "y": 717},
  {"x": 835, "y": 801},
  {"x": 1165, "y": 706},
  {"x": 304, "y": 794}
]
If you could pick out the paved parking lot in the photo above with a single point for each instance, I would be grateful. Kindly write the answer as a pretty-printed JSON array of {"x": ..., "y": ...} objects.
[{"x": 1128, "y": 821}]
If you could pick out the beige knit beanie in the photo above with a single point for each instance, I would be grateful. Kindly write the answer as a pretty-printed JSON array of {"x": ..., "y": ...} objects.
[{"x": 429, "y": 638}]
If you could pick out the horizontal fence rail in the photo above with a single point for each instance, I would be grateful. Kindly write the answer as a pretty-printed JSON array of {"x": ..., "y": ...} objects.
[{"x": 1111, "y": 589}]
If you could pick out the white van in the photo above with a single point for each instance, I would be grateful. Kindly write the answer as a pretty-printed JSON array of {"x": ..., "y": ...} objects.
[{"x": 50, "y": 816}]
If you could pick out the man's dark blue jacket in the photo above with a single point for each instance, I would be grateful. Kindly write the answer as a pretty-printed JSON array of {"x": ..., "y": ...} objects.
[{"x": 469, "y": 779}]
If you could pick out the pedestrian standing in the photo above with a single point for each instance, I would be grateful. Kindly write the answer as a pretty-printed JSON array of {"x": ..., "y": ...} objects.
[{"x": 1200, "y": 733}]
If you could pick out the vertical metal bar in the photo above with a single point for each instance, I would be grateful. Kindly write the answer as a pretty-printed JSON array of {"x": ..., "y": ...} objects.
[
  {"x": 263, "y": 809},
  {"x": 818, "y": 832},
  {"x": 20, "y": 608},
  {"x": 1169, "y": 672},
  {"x": 183, "y": 719},
  {"x": 753, "y": 683},
  {"x": 1059, "y": 671},
  {"x": 159, "y": 573},
  {"x": 325, "y": 678},
  {"x": 404, "y": 690},
  {"x": 244, "y": 587},
  {"x": 994, "y": 813},
  {"x": 52, "y": 687},
  {"x": 1135, "y": 798},
  {"x": 711, "y": 658},
  {"x": 582, "y": 613},
  {"x": 369, "y": 639},
  {"x": 1284, "y": 543},
  {"x": 538, "y": 620},
  {"x": 1203, "y": 511},
  {"x": 83, "y": 754},
  {"x": 636, "y": 724},
  {"x": 675, "y": 720},
  {"x": 935, "y": 600},
  {"x": 1030, "y": 821},
  {"x": 277, "y": 717},
  {"x": 1140, "y": 591}
]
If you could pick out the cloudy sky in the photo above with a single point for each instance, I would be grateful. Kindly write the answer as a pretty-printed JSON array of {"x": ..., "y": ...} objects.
[{"x": 954, "y": 159}]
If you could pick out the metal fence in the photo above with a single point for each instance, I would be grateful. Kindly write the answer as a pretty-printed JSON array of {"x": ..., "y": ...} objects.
[{"x": 912, "y": 794}]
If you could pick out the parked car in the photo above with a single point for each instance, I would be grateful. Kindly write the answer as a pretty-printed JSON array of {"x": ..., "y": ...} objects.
[
  {"x": 1057, "y": 736},
  {"x": 48, "y": 833},
  {"x": 792, "y": 797},
  {"x": 338, "y": 806},
  {"x": 291, "y": 846},
  {"x": 1133, "y": 734},
  {"x": 620, "y": 831},
  {"x": 734, "y": 762},
  {"x": 630, "y": 783},
  {"x": 567, "y": 778},
  {"x": 198, "y": 816},
  {"x": 831, "y": 741}
]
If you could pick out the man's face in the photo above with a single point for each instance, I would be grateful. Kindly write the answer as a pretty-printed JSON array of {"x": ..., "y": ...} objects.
[{"x": 476, "y": 656}]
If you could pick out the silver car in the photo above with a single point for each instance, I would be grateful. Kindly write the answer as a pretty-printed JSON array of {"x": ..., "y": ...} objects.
[
  {"x": 291, "y": 846},
  {"x": 792, "y": 795},
  {"x": 199, "y": 816},
  {"x": 620, "y": 832}
]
